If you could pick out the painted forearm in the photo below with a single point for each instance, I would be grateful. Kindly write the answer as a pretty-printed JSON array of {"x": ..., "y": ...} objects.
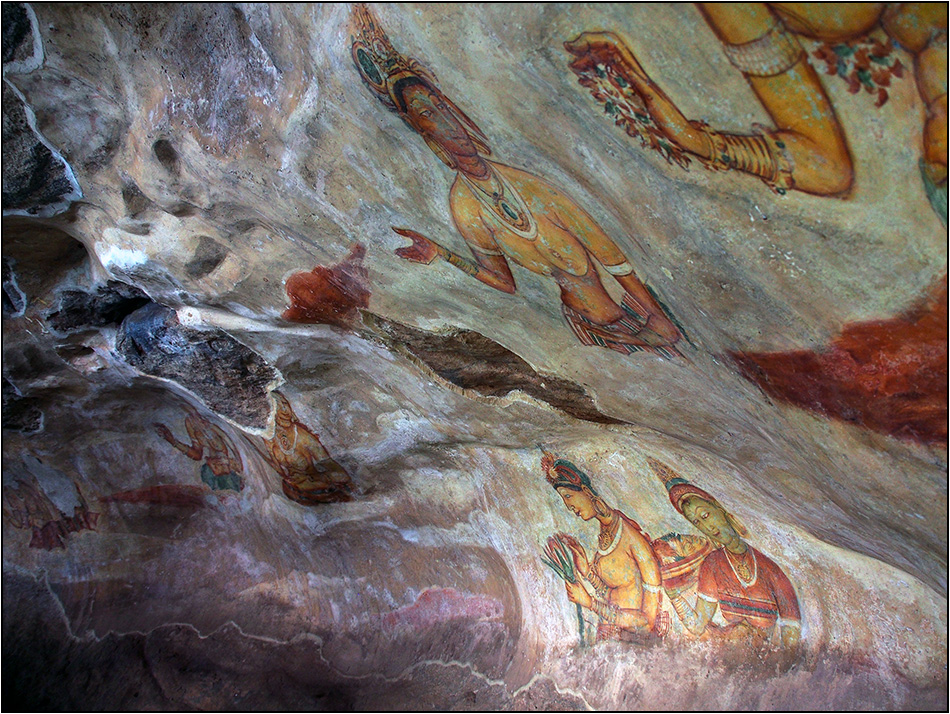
[
  {"x": 192, "y": 451},
  {"x": 470, "y": 267},
  {"x": 600, "y": 587},
  {"x": 693, "y": 621},
  {"x": 628, "y": 619}
]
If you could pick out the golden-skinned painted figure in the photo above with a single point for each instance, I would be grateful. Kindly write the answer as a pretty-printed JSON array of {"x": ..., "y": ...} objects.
[
  {"x": 506, "y": 214},
  {"x": 805, "y": 149}
]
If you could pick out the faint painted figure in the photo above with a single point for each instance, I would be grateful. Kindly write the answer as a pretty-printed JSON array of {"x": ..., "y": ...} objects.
[
  {"x": 753, "y": 595},
  {"x": 27, "y": 506},
  {"x": 308, "y": 474},
  {"x": 222, "y": 468},
  {"x": 506, "y": 214},
  {"x": 621, "y": 583},
  {"x": 805, "y": 148}
]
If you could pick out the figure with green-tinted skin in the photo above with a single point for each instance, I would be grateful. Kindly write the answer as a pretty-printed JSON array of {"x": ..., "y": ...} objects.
[{"x": 753, "y": 594}]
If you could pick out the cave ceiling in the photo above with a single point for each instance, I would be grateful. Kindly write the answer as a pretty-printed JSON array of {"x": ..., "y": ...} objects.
[{"x": 475, "y": 356}]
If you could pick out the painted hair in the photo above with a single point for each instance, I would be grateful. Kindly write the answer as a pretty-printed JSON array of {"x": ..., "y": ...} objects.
[{"x": 564, "y": 474}]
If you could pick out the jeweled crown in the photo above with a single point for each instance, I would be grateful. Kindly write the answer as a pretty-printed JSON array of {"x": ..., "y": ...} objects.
[{"x": 378, "y": 62}]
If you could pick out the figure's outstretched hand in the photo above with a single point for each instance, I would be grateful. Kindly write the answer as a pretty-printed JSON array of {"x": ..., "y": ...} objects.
[
  {"x": 593, "y": 49},
  {"x": 163, "y": 431},
  {"x": 422, "y": 249},
  {"x": 597, "y": 48}
]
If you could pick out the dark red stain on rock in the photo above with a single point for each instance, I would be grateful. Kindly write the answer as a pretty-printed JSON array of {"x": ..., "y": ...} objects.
[
  {"x": 164, "y": 495},
  {"x": 329, "y": 295},
  {"x": 887, "y": 375}
]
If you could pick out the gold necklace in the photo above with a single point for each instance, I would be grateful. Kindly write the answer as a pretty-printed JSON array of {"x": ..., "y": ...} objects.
[
  {"x": 606, "y": 536},
  {"x": 505, "y": 203},
  {"x": 744, "y": 574},
  {"x": 282, "y": 438}
]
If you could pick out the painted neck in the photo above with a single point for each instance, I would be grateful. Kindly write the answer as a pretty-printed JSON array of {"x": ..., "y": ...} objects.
[
  {"x": 608, "y": 519},
  {"x": 475, "y": 167},
  {"x": 738, "y": 546}
]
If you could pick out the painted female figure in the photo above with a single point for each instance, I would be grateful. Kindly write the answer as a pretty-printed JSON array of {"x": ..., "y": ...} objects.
[
  {"x": 506, "y": 214},
  {"x": 751, "y": 592},
  {"x": 805, "y": 149},
  {"x": 621, "y": 583},
  {"x": 309, "y": 475}
]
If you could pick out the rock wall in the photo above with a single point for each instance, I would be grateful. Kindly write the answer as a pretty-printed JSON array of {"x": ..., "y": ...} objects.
[{"x": 642, "y": 406}]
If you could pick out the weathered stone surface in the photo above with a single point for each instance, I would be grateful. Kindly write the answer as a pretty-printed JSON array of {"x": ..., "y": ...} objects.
[
  {"x": 472, "y": 361},
  {"x": 501, "y": 304}
]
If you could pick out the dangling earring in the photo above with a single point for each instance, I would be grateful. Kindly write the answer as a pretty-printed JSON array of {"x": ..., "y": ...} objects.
[
  {"x": 736, "y": 525},
  {"x": 600, "y": 507}
]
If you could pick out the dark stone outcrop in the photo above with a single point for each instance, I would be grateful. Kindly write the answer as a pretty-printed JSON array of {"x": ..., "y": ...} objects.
[
  {"x": 35, "y": 180},
  {"x": 108, "y": 305},
  {"x": 230, "y": 378},
  {"x": 17, "y": 41},
  {"x": 14, "y": 301},
  {"x": 20, "y": 413}
]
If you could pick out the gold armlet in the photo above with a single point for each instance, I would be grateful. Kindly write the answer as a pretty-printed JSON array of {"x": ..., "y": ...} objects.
[
  {"x": 600, "y": 587},
  {"x": 772, "y": 53},
  {"x": 466, "y": 266},
  {"x": 762, "y": 154}
]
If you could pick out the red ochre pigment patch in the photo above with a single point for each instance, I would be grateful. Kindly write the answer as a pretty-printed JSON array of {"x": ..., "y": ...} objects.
[
  {"x": 163, "y": 495},
  {"x": 887, "y": 375},
  {"x": 329, "y": 295},
  {"x": 438, "y": 605}
]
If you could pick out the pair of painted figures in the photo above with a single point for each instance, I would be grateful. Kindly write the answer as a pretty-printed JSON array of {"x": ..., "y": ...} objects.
[
  {"x": 627, "y": 582},
  {"x": 507, "y": 215}
]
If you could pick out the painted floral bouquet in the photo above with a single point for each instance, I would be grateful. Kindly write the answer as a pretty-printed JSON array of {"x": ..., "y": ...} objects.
[{"x": 557, "y": 556}]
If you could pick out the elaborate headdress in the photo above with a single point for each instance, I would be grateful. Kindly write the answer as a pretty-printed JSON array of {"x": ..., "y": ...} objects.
[
  {"x": 679, "y": 489},
  {"x": 385, "y": 71},
  {"x": 561, "y": 473}
]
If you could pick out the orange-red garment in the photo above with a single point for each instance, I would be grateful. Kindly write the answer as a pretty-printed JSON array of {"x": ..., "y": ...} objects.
[{"x": 768, "y": 596}]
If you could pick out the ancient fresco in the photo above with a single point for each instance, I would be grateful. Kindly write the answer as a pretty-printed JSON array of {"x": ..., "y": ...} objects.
[
  {"x": 635, "y": 398},
  {"x": 505, "y": 213},
  {"x": 308, "y": 474},
  {"x": 714, "y": 585}
]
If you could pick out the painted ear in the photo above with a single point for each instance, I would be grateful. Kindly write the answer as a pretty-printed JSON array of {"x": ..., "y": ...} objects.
[{"x": 737, "y": 525}]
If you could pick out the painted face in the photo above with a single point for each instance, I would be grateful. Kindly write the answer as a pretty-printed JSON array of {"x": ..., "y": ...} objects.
[
  {"x": 431, "y": 117},
  {"x": 578, "y": 502},
  {"x": 284, "y": 414},
  {"x": 711, "y": 520}
]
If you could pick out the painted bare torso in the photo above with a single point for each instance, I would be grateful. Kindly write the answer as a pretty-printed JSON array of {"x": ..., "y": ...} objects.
[
  {"x": 620, "y": 571},
  {"x": 219, "y": 454},
  {"x": 548, "y": 247}
]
